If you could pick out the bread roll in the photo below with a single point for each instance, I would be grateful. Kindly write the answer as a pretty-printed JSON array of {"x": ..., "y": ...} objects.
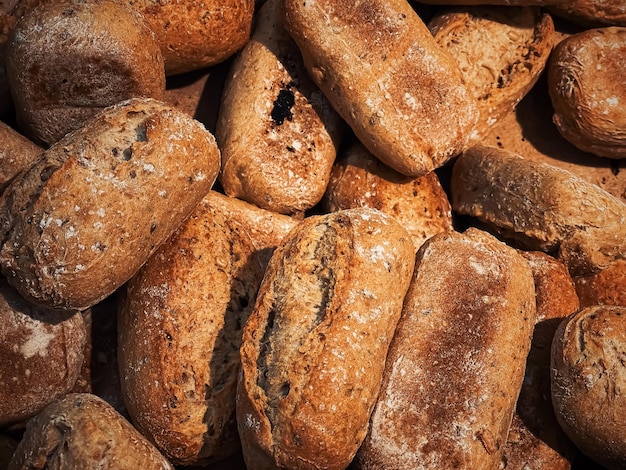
[
  {"x": 494, "y": 2},
  {"x": 81, "y": 430},
  {"x": 179, "y": 330},
  {"x": 277, "y": 132},
  {"x": 541, "y": 207},
  {"x": 42, "y": 354},
  {"x": 591, "y": 13},
  {"x": 68, "y": 59},
  {"x": 449, "y": 392},
  {"x": 314, "y": 346},
  {"x": 535, "y": 440},
  {"x": 501, "y": 50},
  {"x": 17, "y": 153},
  {"x": 402, "y": 94},
  {"x": 358, "y": 179},
  {"x": 90, "y": 212},
  {"x": 195, "y": 34},
  {"x": 606, "y": 287},
  {"x": 587, "y": 376},
  {"x": 587, "y": 96}
]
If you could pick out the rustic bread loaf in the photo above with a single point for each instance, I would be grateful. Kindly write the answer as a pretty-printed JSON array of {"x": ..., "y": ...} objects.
[
  {"x": 379, "y": 66},
  {"x": 198, "y": 33},
  {"x": 277, "y": 132},
  {"x": 501, "y": 50},
  {"x": 456, "y": 361},
  {"x": 606, "y": 287},
  {"x": 82, "y": 220},
  {"x": 535, "y": 440},
  {"x": 587, "y": 96},
  {"x": 587, "y": 374},
  {"x": 358, "y": 179},
  {"x": 16, "y": 153},
  {"x": 41, "y": 351},
  {"x": 66, "y": 60},
  {"x": 314, "y": 346},
  {"x": 179, "y": 330},
  {"x": 493, "y": 2},
  {"x": 541, "y": 207},
  {"x": 81, "y": 430},
  {"x": 591, "y": 13}
]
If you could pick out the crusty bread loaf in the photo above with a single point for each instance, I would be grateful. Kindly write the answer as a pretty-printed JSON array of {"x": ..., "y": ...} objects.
[
  {"x": 587, "y": 96},
  {"x": 81, "y": 430},
  {"x": 358, "y": 179},
  {"x": 541, "y": 207},
  {"x": 501, "y": 50},
  {"x": 456, "y": 361},
  {"x": 17, "y": 153},
  {"x": 402, "y": 94},
  {"x": 535, "y": 440},
  {"x": 277, "y": 132},
  {"x": 195, "y": 34},
  {"x": 314, "y": 346},
  {"x": 42, "y": 353},
  {"x": 587, "y": 375},
  {"x": 494, "y": 2},
  {"x": 68, "y": 59},
  {"x": 591, "y": 13},
  {"x": 97, "y": 204},
  {"x": 606, "y": 287},
  {"x": 179, "y": 329}
]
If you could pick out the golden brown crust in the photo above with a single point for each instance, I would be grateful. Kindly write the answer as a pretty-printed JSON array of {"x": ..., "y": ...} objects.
[
  {"x": 449, "y": 392},
  {"x": 17, "y": 153},
  {"x": 195, "y": 34},
  {"x": 42, "y": 353},
  {"x": 68, "y": 60},
  {"x": 606, "y": 287},
  {"x": 98, "y": 203},
  {"x": 358, "y": 179},
  {"x": 501, "y": 50},
  {"x": 587, "y": 98},
  {"x": 180, "y": 327},
  {"x": 314, "y": 346},
  {"x": 587, "y": 380},
  {"x": 494, "y": 2},
  {"x": 591, "y": 13},
  {"x": 81, "y": 430},
  {"x": 377, "y": 63},
  {"x": 277, "y": 132}
]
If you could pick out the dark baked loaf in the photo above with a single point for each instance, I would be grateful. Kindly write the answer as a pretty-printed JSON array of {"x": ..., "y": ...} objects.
[{"x": 82, "y": 220}]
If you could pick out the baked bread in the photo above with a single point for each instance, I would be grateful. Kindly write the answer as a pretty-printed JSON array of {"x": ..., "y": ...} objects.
[
  {"x": 587, "y": 97},
  {"x": 501, "y": 50},
  {"x": 606, "y": 287},
  {"x": 314, "y": 346},
  {"x": 587, "y": 375},
  {"x": 540, "y": 3},
  {"x": 277, "y": 132},
  {"x": 402, "y": 94},
  {"x": 195, "y": 34},
  {"x": 591, "y": 13},
  {"x": 82, "y": 220},
  {"x": 358, "y": 179},
  {"x": 17, "y": 153},
  {"x": 540, "y": 207},
  {"x": 535, "y": 440},
  {"x": 179, "y": 332},
  {"x": 67, "y": 60},
  {"x": 449, "y": 391},
  {"x": 42, "y": 352},
  {"x": 81, "y": 430}
]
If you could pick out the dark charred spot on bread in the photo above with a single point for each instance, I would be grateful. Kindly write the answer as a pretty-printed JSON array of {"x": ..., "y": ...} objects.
[
  {"x": 47, "y": 172},
  {"x": 282, "y": 106}
]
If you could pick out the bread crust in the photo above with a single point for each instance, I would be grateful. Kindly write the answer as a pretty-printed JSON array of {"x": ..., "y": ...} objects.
[
  {"x": 587, "y": 98},
  {"x": 82, "y": 220},
  {"x": 67, "y": 60},
  {"x": 180, "y": 326},
  {"x": 403, "y": 95},
  {"x": 449, "y": 393},
  {"x": 501, "y": 50},
  {"x": 314, "y": 347},
  {"x": 606, "y": 287},
  {"x": 81, "y": 430},
  {"x": 17, "y": 153},
  {"x": 591, "y": 13}
]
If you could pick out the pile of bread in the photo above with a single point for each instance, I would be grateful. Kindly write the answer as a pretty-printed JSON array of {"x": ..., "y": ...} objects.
[{"x": 342, "y": 264}]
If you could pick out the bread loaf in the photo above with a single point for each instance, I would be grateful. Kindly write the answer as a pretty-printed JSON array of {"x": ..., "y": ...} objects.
[
  {"x": 381, "y": 69},
  {"x": 456, "y": 362},
  {"x": 16, "y": 154},
  {"x": 82, "y": 220},
  {"x": 591, "y": 13},
  {"x": 67, "y": 60},
  {"x": 606, "y": 287},
  {"x": 179, "y": 331},
  {"x": 81, "y": 430},
  {"x": 314, "y": 346}
]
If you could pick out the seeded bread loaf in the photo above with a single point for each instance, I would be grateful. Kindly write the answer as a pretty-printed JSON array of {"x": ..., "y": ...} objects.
[
  {"x": 17, "y": 153},
  {"x": 82, "y": 220}
]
